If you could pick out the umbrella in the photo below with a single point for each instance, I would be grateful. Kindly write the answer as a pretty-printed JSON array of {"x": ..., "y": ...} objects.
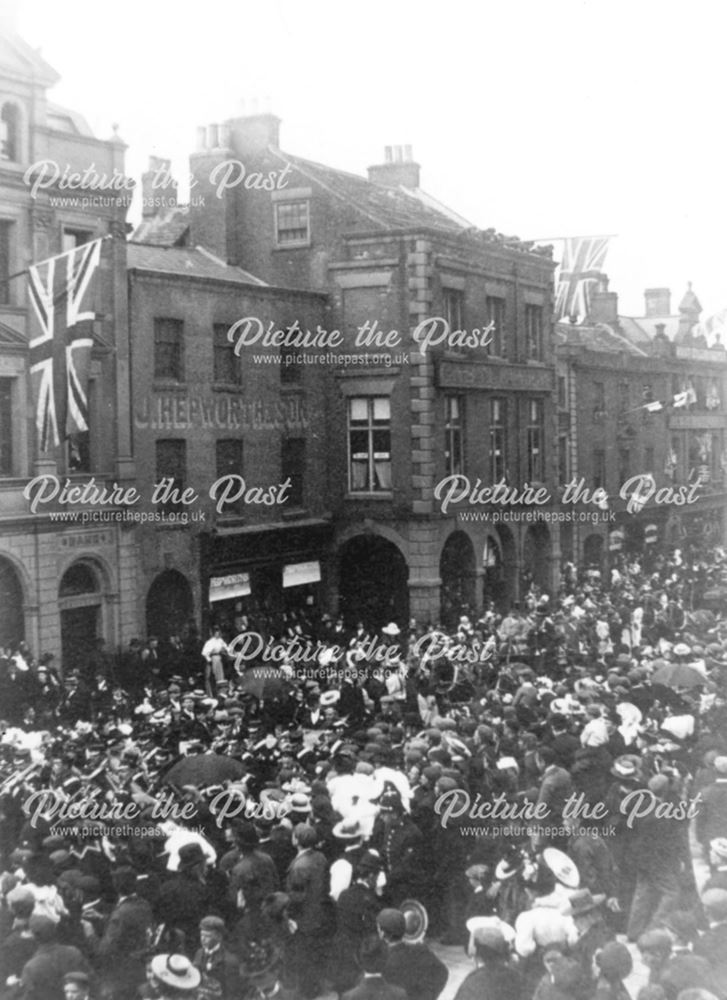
[
  {"x": 678, "y": 675},
  {"x": 204, "y": 769},
  {"x": 263, "y": 682}
]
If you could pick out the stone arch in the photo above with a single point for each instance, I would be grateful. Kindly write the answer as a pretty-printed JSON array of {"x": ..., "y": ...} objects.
[
  {"x": 372, "y": 580},
  {"x": 457, "y": 571},
  {"x": 536, "y": 554},
  {"x": 83, "y": 597},
  {"x": 12, "y": 604}
]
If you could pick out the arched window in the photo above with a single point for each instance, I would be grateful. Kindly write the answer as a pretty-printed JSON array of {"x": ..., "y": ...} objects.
[{"x": 10, "y": 133}]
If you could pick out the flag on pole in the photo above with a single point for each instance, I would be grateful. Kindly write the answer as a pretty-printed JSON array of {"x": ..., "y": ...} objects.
[
  {"x": 680, "y": 399},
  {"x": 654, "y": 407},
  {"x": 713, "y": 327},
  {"x": 60, "y": 352},
  {"x": 577, "y": 276}
]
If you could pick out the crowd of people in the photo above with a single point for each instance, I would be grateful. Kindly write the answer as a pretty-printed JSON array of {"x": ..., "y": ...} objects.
[{"x": 531, "y": 786}]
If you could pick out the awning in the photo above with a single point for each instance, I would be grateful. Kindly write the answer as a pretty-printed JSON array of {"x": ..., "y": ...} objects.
[
  {"x": 222, "y": 588},
  {"x": 297, "y": 574}
]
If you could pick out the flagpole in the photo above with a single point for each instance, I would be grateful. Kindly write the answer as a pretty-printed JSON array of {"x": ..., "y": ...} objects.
[{"x": 19, "y": 274}]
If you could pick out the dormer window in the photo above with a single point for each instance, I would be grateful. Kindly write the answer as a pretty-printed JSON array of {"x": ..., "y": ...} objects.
[{"x": 10, "y": 133}]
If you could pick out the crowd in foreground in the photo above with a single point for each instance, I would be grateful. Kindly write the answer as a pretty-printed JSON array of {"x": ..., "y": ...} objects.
[{"x": 530, "y": 787}]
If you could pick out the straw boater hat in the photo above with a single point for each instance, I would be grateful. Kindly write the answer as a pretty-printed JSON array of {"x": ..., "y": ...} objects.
[
  {"x": 176, "y": 971},
  {"x": 391, "y": 629}
]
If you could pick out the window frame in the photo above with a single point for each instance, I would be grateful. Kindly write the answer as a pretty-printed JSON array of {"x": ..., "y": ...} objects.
[
  {"x": 296, "y": 493},
  {"x": 534, "y": 310},
  {"x": 496, "y": 304},
  {"x": 302, "y": 241},
  {"x": 236, "y": 508},
  {"x": 497, "y": 431},
  {"x": 370, "y": 429},
  {"x": 178, "y": 378},
  {"x": 179, "y": 482},
  {"x": 535, "y": 432},
  {"x": 221, "y": 330},
  {"x": 454, "y": 433}
]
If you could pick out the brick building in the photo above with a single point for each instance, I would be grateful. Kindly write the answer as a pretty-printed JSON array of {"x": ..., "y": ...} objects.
[
  {"x": 61, "y": 586},
  {"x": 406, "y": 414},
  {"x": 202, "y": 413},
  {"x": 608, "y": 369}
]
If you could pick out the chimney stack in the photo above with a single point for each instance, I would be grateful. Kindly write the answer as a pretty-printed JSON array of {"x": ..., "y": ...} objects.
[
  {"x": 208, "y": 208},
  {"x": 398, "y": 169},
  {"x": 658, "y": 302},
  {"x": 252, "y": 131},
  {"x": 158, "y": 187},
  {"x": 604, "y": 304}
]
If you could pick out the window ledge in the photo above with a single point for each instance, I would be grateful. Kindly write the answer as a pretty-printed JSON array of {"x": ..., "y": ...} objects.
[
  {"x": 296, "y": 512},
  {"x": 293, "y": 246},
  {"x": 370, "y": 496},
  {"x": 227, "y": 387},
  {"x": 167, "y": 385}
]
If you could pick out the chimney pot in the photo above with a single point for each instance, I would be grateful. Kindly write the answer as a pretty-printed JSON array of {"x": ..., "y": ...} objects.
[
  {"x": 388, "y": 155},
  {"x": 407, "y": 154},
  {"x": 201, "y": 138}
]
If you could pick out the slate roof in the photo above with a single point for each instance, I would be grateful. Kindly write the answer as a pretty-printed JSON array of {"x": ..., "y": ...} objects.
[
  {"x": 167, "y": 228},
  {"x": 193, "y": 262},
  {"x": 599, "y": 337},
  {"x": 385, "y": 207}
]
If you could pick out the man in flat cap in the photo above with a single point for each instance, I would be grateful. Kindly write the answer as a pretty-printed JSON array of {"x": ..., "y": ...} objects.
[
  {"x": 674, "y": 973},
  {"x": 76, "y": 986},
  {"x": 494, "y": 976},
  {"x": 219, "y": 968}
]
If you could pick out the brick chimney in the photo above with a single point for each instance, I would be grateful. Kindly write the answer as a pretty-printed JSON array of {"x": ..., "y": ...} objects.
[
  {"x": 658, "y": 301},
  {"x": 398, "y": 170},
  {"x": 253, "y": 129},
  {"x": 208, "y": 201},
  {"x": 158, "y": 187},
  {"x": 604, "y": 304}
]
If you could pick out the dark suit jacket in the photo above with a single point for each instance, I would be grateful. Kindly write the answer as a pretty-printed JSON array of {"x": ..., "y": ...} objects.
[
  {"x": 127, "y": 931},
  {"x": 307, "y": 886},
  {"x": 417, "y": 970},
  {"x": 375, "y": 988}
]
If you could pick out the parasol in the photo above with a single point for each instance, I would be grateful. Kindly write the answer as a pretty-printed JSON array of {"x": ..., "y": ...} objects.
[
  {"x": 204, "y": 769},
  {"x": 678, "y": 675}
]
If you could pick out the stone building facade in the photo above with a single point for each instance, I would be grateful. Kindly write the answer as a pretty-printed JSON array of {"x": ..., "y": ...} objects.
[{"x": 63, "y": 585}]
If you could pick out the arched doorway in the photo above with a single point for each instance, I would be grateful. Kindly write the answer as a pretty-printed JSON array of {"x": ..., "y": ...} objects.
[
  {"x": 12, "y": 618},
  {"x": 536, "y": 557},
  {"x": 373, "y": 577},
  {"x": 80, "y": 601},
  {"x": 457, "y": 565},
  {"x": 169, "y": 605}
]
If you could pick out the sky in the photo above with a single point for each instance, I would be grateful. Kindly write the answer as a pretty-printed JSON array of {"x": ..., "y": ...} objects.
[{"x": 540, "y": 119}]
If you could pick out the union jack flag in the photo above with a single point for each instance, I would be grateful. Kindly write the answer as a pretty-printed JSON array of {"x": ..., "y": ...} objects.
[
  {"x": 60, "y": 354},
  {"x": 579, "y": 271}
]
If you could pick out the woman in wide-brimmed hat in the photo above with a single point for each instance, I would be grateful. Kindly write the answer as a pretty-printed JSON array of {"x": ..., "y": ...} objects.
[{"x": 175, "y": 977}]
